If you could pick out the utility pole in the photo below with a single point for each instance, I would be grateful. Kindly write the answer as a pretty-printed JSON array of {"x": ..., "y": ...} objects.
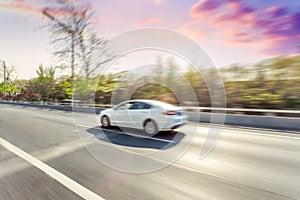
[
  {"x": 4, "y": 76},
  {"x": 71, "y": 32}
]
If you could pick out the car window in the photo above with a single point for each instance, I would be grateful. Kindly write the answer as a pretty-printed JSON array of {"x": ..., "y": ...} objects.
[
  {"x": 140, "y": 105},
  {"x": 124, "y": 106},
  {"x": 147, "y": 106}
]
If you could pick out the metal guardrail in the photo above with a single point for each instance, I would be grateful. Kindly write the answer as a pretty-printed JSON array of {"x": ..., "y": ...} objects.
[
  {"x": 268, "y": 112},
  {"x": 253, "y": 110},
  {"x": 242, "y": 110},
  {"x": 224, "y": 110}
]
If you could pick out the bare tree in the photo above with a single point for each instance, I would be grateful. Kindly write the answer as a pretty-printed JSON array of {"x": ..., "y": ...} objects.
[
  {"x": 74, "y": 38},
  {"x": 9, "y": 73}
]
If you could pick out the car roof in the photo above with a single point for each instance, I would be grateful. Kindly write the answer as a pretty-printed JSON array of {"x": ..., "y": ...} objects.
[{"x": 155, "y": 102}]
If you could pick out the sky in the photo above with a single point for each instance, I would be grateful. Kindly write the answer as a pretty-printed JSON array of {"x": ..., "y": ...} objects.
[{"x": 230, "y": 31}]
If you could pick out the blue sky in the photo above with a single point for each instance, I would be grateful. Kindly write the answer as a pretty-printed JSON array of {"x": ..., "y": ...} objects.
[{"x": 230, "y": 31}]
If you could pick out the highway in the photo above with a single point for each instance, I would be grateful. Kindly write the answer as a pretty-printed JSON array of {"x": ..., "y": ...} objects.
[{"x": 47, "y": 154}]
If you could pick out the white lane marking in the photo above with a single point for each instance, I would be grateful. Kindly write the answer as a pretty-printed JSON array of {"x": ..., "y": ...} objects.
[
  {"x": 243, "y": 130},
  {"x": 43, "y": 155},
  {"x": 269, "y": 135},
  {"x": 126, "y": 133},
  {"x": 61, "y": 178}
]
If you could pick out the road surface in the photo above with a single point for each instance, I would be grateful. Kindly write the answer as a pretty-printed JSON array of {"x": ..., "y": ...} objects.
[{"x": 43, "y": 155}]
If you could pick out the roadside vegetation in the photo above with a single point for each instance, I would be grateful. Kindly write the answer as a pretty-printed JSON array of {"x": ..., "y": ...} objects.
[{"x": 273, "y": 84}]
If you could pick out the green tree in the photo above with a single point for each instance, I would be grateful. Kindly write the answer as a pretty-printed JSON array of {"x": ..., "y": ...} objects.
[{"x": 44, "y": 83}]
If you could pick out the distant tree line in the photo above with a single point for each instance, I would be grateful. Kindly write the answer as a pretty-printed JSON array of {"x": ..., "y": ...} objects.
[{"x": 273, "y": 83}]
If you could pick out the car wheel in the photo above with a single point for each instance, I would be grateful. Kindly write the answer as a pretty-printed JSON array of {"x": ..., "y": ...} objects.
[
  {"x": 105, "y": 122},
  {"x": 150, "y": 127}
]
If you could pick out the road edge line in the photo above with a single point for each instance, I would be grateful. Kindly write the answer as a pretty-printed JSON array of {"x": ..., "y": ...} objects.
[{"x": 58, "y": 176}]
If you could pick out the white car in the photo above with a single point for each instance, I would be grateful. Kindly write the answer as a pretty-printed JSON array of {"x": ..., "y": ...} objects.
[{"x": 149, "y": 115}]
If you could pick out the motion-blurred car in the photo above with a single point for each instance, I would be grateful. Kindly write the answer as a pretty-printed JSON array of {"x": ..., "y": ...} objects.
[{"x": 148, "y": 115}]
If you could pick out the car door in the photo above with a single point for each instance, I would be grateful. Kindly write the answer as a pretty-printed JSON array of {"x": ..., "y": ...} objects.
[
  {"x": 121, "y": 114},
  {"x": 139, "y": 112}
]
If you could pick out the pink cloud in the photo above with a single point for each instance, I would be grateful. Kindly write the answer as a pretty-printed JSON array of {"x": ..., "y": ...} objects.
[
  {"x": 274, "y": 30},
  {"x": 20, "y": 6},
  {"x": 239, "y": 13},
  {"x": 204, "y": 8},
  {"x": 28, "y": 7},
  {"x": 276, "y": 11},
  {"x": 241, "y": 38}
]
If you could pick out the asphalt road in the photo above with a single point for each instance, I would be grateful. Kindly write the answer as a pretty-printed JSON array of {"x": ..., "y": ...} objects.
[{"x": 80, "y": 159}]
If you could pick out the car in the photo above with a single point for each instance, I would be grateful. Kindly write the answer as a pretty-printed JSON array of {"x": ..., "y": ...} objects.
[{"x": 149, "y": 115}]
